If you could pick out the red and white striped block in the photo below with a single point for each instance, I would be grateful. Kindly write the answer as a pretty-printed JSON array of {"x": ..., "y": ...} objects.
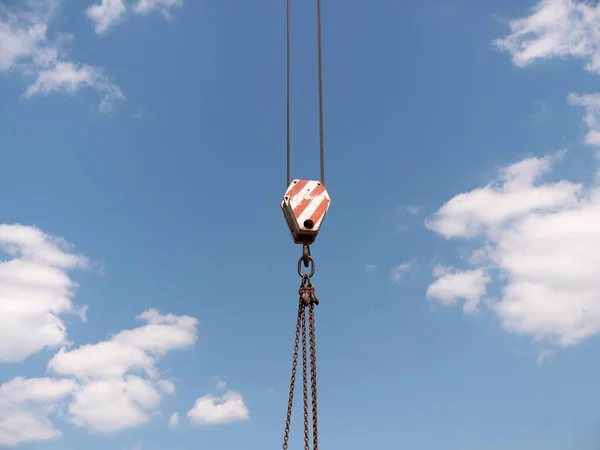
[{"x": 304, "y": 206}]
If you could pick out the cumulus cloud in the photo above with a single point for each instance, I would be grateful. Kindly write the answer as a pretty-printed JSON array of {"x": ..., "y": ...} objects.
[
  {"x": 542, "y": 238},
  {"x": 25, "y": 407},
  {"x": 108, "y": 386},
  {"x": 120, "y": 383},
  {"x": 539, "y": 237},
  {"x": 36, "y": 291},
  {"x": 161, "y": 334},
  {"x": 219, "y": 410},
  {"x": 110, "y": 405},
  {"x": 100, "y": 388},
  {"x": 29, "y": 51},
  {"x": 452, "y": 284},
  {"x": 513, "y": 195}
]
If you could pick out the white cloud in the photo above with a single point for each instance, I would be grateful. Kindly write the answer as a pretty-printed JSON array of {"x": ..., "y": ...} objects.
[
  {"x": 106, "y": 14},
  {"x": 29, "y": 51},
  {"x": 174, "y": 421},
  {"x": 543, "y": 240},
  {"x": 108, "y": 386},
  {"x": 120, "y": 383},
  {"x": 25, "y": 407},
  {"x": 560, "y": 28},
  {"x": 107, "y": 359},
  {"x": 163, "y": 6},
  {"x": 370, "y": 267},
  {"x": 114, "y": 404},
  {"x": 452, "y": 284},
  {"x": 397, "y": 273},
  {"x": 540, "y": 237},
  {"x": 555, "y": 28},
  {"x": 106, "y": 393},
  {"x": 218, "y": 410},
  {"x": 512, "y": 196},
  {"x": 161, "y": 334},
  {"x": 35, "y": 291}
]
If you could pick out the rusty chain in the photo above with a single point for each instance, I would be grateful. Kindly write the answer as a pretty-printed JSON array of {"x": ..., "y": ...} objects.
[
  {"x": 313, "y": 367},
  {"x": 305, "y": 383},
  {"x": 288, "y": 419},
  {"x": 308, "y": 299}
]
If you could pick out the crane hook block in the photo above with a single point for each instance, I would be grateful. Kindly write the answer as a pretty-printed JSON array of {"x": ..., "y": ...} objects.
[{"x": 304, "y": 206}]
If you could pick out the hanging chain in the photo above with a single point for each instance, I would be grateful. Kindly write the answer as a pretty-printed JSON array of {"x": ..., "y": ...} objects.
[
  {"x": 288, "y": 418},
  {"x": 308, "y": 299},
  {"x": 305, "y": 383},
  {"x": 313, "y": 367}
]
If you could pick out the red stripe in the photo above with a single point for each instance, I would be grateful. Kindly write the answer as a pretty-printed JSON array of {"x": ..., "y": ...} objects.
[
  {"x": 298, "y": 210},
  {"x": 296, "y": 188},
  {"x": 320, "y": 211}
]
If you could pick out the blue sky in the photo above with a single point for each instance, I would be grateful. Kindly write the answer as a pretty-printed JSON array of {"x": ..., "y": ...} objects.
[{"x": 148, "y": 283}]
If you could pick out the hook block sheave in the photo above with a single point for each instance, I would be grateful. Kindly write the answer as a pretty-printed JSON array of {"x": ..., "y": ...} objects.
[{"x": 304, "y": 206}]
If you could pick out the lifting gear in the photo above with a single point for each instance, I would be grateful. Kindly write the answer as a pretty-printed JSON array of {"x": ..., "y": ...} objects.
[{"x": 304, "y": 206}]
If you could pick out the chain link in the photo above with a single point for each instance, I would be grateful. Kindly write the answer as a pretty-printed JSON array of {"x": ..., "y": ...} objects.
[{"x": 308, "y": 299}]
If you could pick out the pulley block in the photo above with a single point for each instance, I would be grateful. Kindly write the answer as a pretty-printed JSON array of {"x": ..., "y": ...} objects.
[{"x": 304, "y": 206}]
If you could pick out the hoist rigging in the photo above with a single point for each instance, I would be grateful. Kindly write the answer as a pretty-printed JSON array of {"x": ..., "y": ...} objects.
[{"x": 304, "y": 206}]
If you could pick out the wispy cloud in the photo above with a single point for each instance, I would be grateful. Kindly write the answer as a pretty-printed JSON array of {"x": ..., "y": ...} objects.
[
  {"x": 220, "y": 384},
  {"x": 541, "y": 113},
  {"x": 398, "y": 272},
  {"x": 546, "y": 357},
  {"x": 162, "y": 6},
  {"x": 555, "y": 28},
  {"x": 138, "y": 114},
  {"x": 412, "y": 209},
  {"x": 108, "y": 13},
  {"x": 29, "y": 51},
  {"x": 174, "y": 422},
  {"x": 370, "y": 267}
]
